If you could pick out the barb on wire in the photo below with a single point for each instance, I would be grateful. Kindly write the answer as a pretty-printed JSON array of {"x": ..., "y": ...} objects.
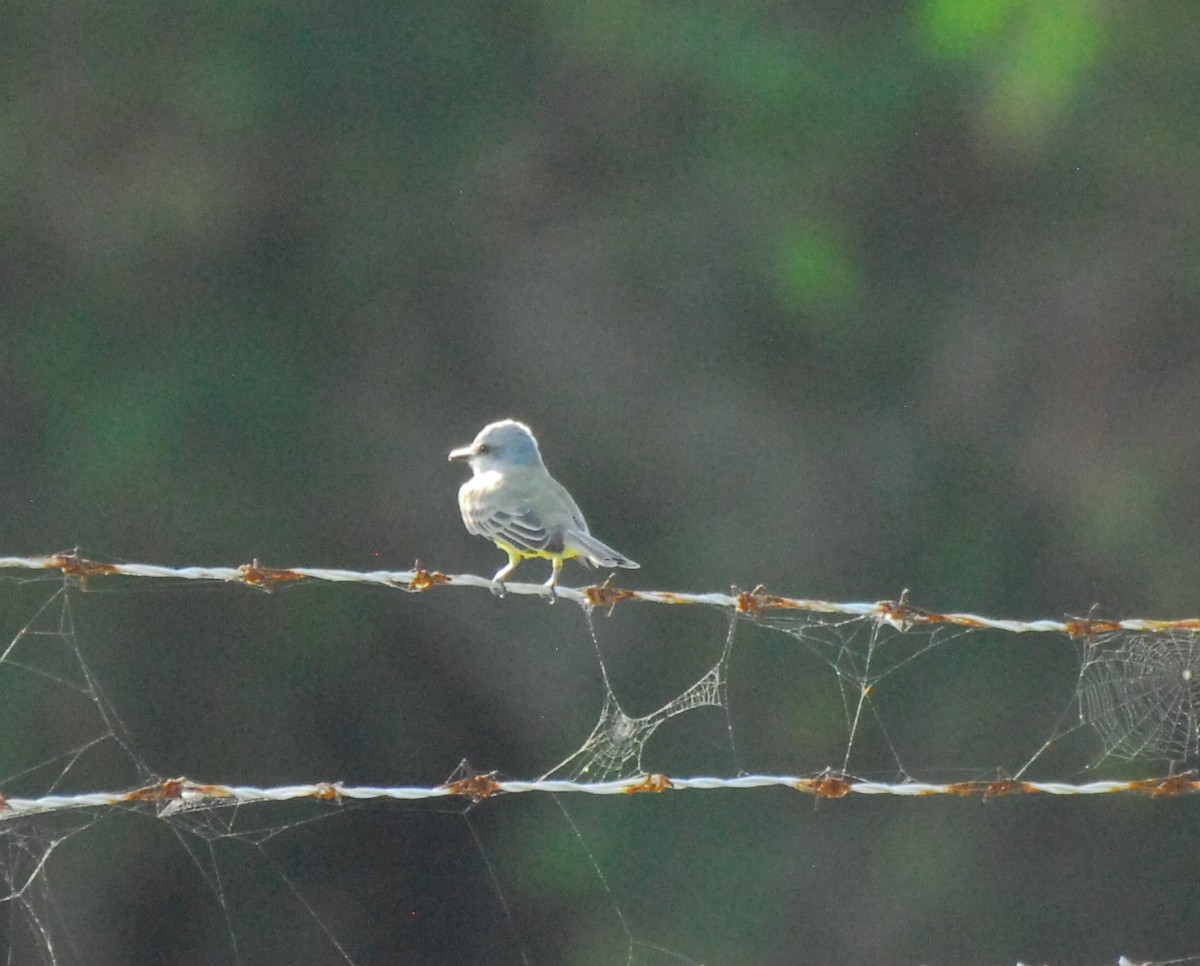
[{"x": 898, "y": 613}]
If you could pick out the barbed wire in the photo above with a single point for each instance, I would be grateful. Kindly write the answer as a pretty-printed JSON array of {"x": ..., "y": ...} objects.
[
  {"x": 898, "y": 613},
  {"x": 174, "y": 795},
  {"x": 212, "y": 809},
  {"x": 179, "y": 794}
]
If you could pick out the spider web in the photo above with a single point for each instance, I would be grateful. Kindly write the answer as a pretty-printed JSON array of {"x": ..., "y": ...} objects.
[
  {"x": 82, "y": 741},
  {"x": 616, "y": 746},
  {"x": 790, "y": 692},
  {"x": 61, "y": 735},
  {"x": 1141, "y": 692}
]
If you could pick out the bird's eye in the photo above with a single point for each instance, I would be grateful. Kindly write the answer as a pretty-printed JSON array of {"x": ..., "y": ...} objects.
[{"x": 484, "y": 448}]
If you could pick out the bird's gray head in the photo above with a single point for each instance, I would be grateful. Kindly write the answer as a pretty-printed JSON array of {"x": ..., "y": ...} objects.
[{"x": 506, "y": 443}]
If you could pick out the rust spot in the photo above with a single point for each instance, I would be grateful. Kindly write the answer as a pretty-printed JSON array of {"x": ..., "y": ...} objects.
[
  {"x": 650, "y": 783},
  {"x": 774, "y": 602},
  {"x": 475, "y": 787},
  {"x": 1085, "y": 626},
  {"x": 747, "y": 602},
  {"x": 328, "y": 792},
  {"x": 606, "y": 596},
  {"x": 897, "y": 612},
  {"x": 209, "y": 791},
  {"x": 967, "y": 789},
  {"x": 827, "y": 786},
  {"x": 1005, "y": 786},
  {"x": 1172, "y": 785},
  {"x": 163, "y": 791},
  {"x": 902, "y": 615},
  {"x": 256, "y": 575},
  {"x": 3, "y": 803},
  {"x": 669, "y": 598},
  {"x": 832, "y": 788},
  {"x": 79, "y": 567},
  {"x": 756, "y": 600},
  {"x": 425, "y": 579}
]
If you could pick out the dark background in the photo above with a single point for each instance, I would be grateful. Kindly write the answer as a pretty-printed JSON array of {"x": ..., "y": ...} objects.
[{"x": 842, "y": 299}]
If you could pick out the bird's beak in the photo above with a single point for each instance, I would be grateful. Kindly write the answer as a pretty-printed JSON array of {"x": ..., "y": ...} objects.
[{"x": 462, "y": 453}]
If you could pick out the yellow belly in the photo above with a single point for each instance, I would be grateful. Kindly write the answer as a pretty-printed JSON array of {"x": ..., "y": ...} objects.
[{"x": 518, "y": 553}]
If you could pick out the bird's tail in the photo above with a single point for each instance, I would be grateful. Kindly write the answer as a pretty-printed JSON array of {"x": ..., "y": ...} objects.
[{"x": 596, "y": 553}]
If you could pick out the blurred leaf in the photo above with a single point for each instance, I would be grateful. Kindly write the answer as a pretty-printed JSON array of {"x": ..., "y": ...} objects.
[{"x": 815, "y": 266}]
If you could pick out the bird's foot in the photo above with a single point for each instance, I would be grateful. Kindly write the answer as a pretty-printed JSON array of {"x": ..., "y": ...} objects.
[
  {"x": 498, "y": 588},
  {"x": 550, "y": 589}
]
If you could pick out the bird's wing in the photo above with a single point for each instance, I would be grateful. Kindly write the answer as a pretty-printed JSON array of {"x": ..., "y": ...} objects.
[
  {"x": 522, "y": 530},
  {"x": 530, "y": 510},
  {"x": 518, "y": 525}
]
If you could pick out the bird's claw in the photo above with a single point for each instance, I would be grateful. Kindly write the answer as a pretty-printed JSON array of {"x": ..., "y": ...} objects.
[{"x": 498, "y": 588}]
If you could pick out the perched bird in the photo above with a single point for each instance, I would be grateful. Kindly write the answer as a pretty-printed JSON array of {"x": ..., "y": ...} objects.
[{"x": 514, "y": 501}]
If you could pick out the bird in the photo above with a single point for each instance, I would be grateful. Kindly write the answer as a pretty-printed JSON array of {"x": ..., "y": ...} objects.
[{"x": 513, "y": 500}]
